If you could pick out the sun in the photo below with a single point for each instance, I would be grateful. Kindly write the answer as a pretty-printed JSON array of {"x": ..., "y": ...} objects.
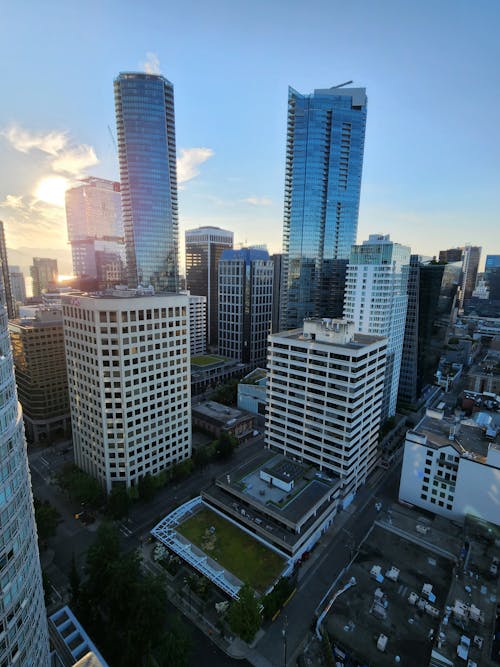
[{"x": 51, "y": 190}]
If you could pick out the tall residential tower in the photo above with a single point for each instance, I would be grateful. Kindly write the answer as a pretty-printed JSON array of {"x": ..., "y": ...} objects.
[
  {"x": 376, "y": 300},
  {"x": 23, "y": 624},
  {"x": 145, "y": 123},
  {"x": 324, "y": 159}
]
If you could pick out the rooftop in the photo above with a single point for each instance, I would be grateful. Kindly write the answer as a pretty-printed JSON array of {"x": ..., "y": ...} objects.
[
  {"x": 221, "y": 414},
  {"x": 255, "y": 377}
]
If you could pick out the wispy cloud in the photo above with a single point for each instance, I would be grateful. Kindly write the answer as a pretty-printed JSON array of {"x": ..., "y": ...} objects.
[
  {"x": 74, "y": 161},
  {"x": 258, "y": 201},
  {"x": 152, "y": 63},
  {"x": 12, "y": 201},
  {"x": 188, "y": 162},
  {"x": 67, "y": 157},
  {"x": 25, "y": 141}
]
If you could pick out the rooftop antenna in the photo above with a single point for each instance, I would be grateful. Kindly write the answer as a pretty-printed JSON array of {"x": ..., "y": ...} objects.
[{"x": 341, "y": 85}]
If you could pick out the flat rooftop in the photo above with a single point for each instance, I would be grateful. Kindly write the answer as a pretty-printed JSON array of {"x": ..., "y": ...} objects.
[
  {"x": 358, "y": 341},
  {"x": 426, "y": 549},
  {"x": 469, "y": 433},
  {"x": 219, "y": 413},
  {"x": 355, "y": 624},
  {"x": 255, "y": 377},
  {"x": 310, "y": 487}
]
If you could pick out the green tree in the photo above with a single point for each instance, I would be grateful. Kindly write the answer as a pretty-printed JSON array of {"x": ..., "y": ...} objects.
[
  {"x": 174, "y": 647},
  {"x": 182, "y": 470},
  {"x": 100, "y": 558},
  {"x": 225, "y": 446},
  {"x": 74, "y": 580},
  {"x": 244, "y": 614},
  {"x": 118, "y": 502},
  {"x": 47, "y": 518},
  {"x": 147, "y": 488},
  {"x": 81, "y": 488}
]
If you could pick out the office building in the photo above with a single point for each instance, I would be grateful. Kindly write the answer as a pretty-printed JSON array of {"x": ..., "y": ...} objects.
[
  {"x": 470, "y": 265},
  {"x": 95, "y": 230},
  {"x": 145, "y": 123},
  {"x": 17, "y": 284},
  {"x": 376, "y": 299},
  {"x": 197, "y": 323},
  {"x": 23, "y": 624},
  {"x": 127, "y": 355},
  {"x": 451, "y": 467},
  {"x": 4, "y": 270},
  {"x": 245, "y": 304},
  {"x": 324, "y": 397},
  {"x": 419, "y": 360},
  {"x": 42, "y": 383},
  {"x": 324, "y": 159},
  {"x": 491, "y": 262},
  {"x": 44, "y": 274},
  {"x": 278, "y": 266},
  {"x": 451, "y": 255},
  {"x": 204, "y": 247}
]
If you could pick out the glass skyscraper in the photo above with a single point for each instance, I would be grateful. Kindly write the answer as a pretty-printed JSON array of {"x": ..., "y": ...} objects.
[
  {"x": 145, "y": 122},
  {"x": 324, "y": 159},
  {"x": 23, "y": 624}
]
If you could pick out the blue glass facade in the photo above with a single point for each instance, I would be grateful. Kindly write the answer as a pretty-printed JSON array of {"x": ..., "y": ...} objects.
[
  {"x": 146, "y": 145},
  {"x": 324, "y": 159}
]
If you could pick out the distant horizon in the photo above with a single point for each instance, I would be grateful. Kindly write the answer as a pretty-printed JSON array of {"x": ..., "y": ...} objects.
[{"x": 431, "y": 165}]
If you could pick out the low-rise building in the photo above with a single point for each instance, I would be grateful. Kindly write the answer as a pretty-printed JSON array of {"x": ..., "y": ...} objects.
[
  {"x": 217, "y": 418},
  {"x": 452, "y": 467},
  {"x": 252, "y": 392}
]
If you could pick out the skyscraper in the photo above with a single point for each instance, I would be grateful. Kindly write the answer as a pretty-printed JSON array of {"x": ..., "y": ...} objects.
[
  {"x": 17, "y": 284},
  {"x": 204, "y": 247},
  {"x": 420, "y": 357},
  {"x": 324, "y": 159},
  {"x": 4, "y": 270},
  {"x": 245, "y": 304},
  {"x": 470, "y": 265},
  {"x": 95, "y": 228},
  {"x": 23, "y": 624},
  {"x": 145, "y": 123},
  {"x": 376, "y": 299},
  {"x": 43, "y": 274}
]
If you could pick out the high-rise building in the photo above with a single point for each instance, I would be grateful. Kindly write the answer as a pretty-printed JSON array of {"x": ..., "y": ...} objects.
[
  {"x": 197, "y": 323},
  {"x": 23, "y": 624},
  {"x": 278, "y": 266},
  {"x": 127, "y": 356},
  {"x": 4, "y": 270},
  {"x": 44, "y": 274},
  {"x": 420, "y": 360},
  {"x": 376, "y": 299},
  {"x": 245, "y": 304},
  {"x": 204, "y": 247},
  {"x": 42, "y": 383},
  {"x": 145, "y": 123},
  {"x": 470, "y": 265},
  {"x": 492, "y": 262},
  {"x": 17, "y": 284},
  {"x": 324, "y": 159},
  {"x": 324, "y": 396},
  {"x": 95, "y": 227},
  {"x": 492, "y": 276},
  {"x": 451, "y": 255}
]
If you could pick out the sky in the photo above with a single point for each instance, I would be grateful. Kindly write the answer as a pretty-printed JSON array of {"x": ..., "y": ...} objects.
[{"x": 431, "y": 175}]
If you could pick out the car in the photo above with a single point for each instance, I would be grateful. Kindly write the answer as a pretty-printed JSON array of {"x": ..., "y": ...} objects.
[{"x": 378, "y": 506}]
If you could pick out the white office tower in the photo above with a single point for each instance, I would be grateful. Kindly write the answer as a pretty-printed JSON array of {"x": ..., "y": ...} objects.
[
  {"x": 197, "y": 323},
  {"x": 376, "y": 300},
  {"x": 23, "y": 624},
  {"x": 324, "y": 395},
  {"x": 127, "y": 356}
]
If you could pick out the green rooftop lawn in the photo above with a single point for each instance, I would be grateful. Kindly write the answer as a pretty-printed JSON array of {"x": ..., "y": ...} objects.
[
  {"x": 206, "y": 360},
  {"x": 235, "y": 550}
]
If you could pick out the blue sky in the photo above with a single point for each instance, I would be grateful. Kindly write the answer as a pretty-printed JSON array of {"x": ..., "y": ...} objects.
[{"x": 432, "y": 155}]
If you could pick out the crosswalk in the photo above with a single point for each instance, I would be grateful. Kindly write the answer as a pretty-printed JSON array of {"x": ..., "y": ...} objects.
[{"x": 124, "y": 529}]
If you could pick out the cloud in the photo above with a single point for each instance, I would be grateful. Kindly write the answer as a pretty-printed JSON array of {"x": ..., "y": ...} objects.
[
  {"x": 75, "y": 161},
  {"x": 24, "y": 140},
  {"x": 258, "y": 201},
  {"x": 152, "y": 63},
  {"x": 189, "y": 160},
  {"x": 67, "y": 157},
  {"x": 12, "y": 201}
]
